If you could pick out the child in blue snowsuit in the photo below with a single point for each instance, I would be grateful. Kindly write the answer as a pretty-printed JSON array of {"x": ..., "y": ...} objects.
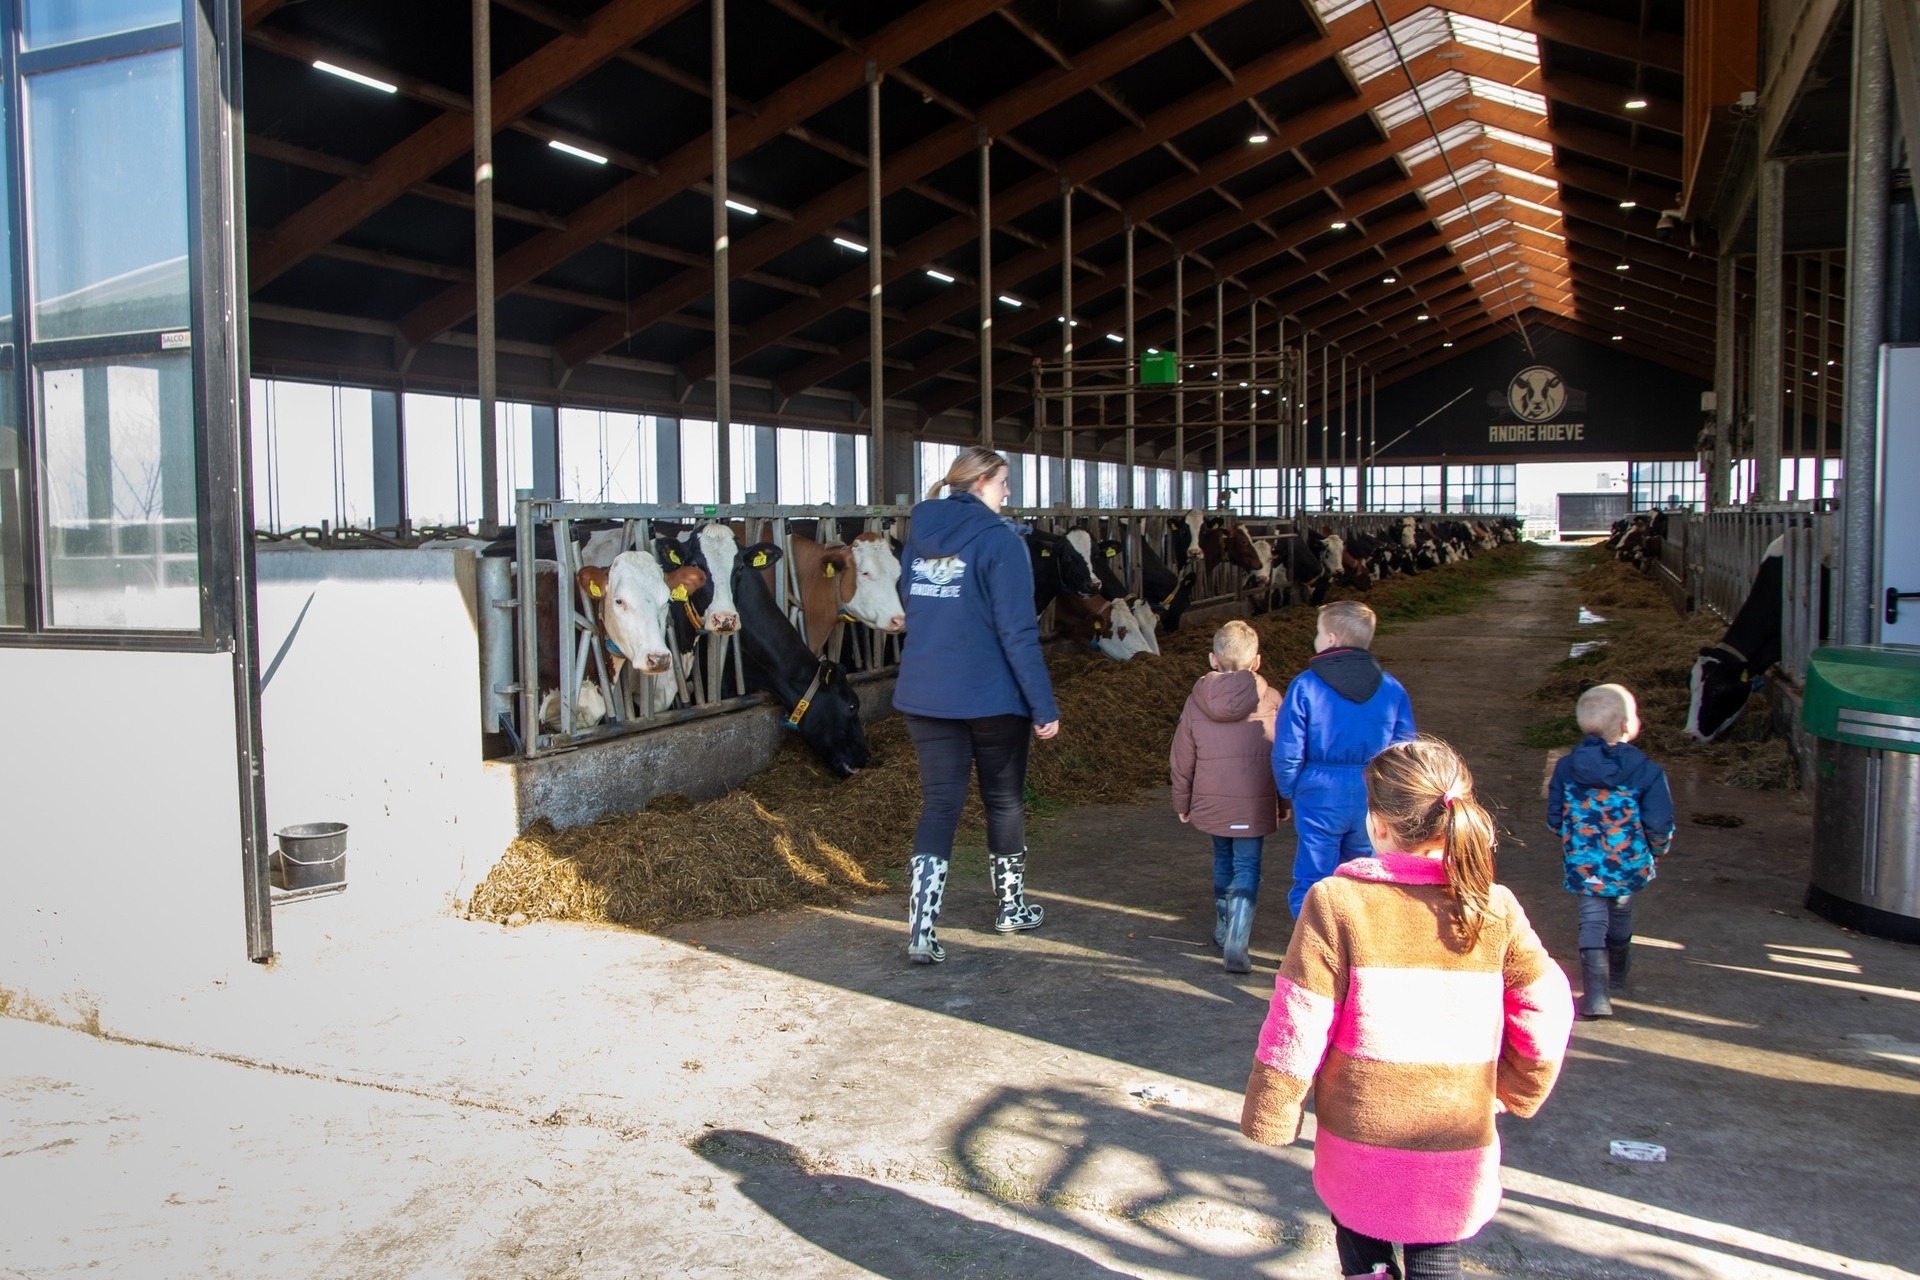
[
  {"x": 1338, "y": 714},
  {"x": 1613, "y": 812}
]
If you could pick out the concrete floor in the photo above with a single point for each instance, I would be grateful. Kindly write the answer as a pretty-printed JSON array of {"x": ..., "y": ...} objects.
[{"x": 452, "y": 1099}]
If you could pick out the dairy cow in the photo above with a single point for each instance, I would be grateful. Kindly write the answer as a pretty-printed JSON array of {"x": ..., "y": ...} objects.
[
  {"x": 858, "y": 582},
  {"x": 1726, "y": 673},
  {"x": 820, "y": 705}
]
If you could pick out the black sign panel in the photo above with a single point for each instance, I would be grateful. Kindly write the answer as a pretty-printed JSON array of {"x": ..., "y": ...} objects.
[{"x": 1566, "y": 400}]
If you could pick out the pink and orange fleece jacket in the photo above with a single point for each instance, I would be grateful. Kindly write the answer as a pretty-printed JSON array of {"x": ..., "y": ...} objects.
[{"x": 1410, "y": 1044}]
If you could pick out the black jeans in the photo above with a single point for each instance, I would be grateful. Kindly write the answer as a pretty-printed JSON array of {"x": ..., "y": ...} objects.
[
  {"x": 949, "y": 750},
  {"x": 1359, "y": 1254}
]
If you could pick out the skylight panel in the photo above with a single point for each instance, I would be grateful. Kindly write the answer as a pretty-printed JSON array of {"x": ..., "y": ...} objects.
[
  {"x": 1525, "y": 176},
  {"x": 1507, "y": 95},
  {"x": 1334, "y": 10},
  {"x": 1541, "y": 231},
  {"x": 1500, "y": 248},
  {"x": 1452, "y": 136},
  {"x": 1477, "y": 33},
  {"x": 1442, "y": 89},
  {"x": 1513, "y": 139},
  {"x": 1473, "y": 206},
  {"x": 1416, "y": 34},
  {"x": 1446, "y": 181},
  {"x": 1486, "y": 228},
  {"x": 1528, "y": 204}
]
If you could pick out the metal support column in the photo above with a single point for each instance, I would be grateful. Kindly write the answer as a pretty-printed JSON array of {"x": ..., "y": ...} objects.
[
  {"x": 986, "y": 291},
  {"x": 1180, "y": 376},
  {"x": 1282, "y": 415},
  {"x": 1867, "y": 194},
  {"x": 1066, "y": 343},
  {"x": 1345, "y": 395},
  {"x": 483, "y": 263},
  {"x": 1326, "y": 426},
  {"x": 1827, "y": 380},
  {"x": 1797, "y": 385},
  {"x": 876, "y": 346},
  {"x": 722, "y": 301},
  {"x": 1768, "y": 330},
  {"x": 1719, "y": 479},
  {"x": 1373, "y": 433},
  {"x": 1128, "y": 498},
  {"x": 1219, "y": 392}
]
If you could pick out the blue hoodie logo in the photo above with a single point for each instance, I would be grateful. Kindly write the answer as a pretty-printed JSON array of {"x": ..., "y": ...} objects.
[{"x": 938, "y": 578}]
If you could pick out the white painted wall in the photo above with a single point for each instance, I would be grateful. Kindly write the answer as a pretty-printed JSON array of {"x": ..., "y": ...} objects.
[
  {"x": 120, "y": 814},
  {"x": 370, "y": 717}
]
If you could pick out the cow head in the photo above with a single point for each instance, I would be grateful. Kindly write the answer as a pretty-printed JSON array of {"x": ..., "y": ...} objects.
[
  {"x": 630, "y": 598},
  {"x": 1333, "y": 553},
  {"x": 874, "y": 570},
  {"x": 830, "y": 724},
  {"x": 715, "y": 548},
  {"x": 1718, "y": 689},
  {"x": 1076, "y": 575},
  {"x": 1535, "y": 389}
]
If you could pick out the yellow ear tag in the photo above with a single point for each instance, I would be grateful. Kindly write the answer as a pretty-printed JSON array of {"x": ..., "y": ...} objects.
[
  {"x": 593, "y": 589},
  {"x": 1112, "y": 552},
  {"x": 674, "y": 556},
  {"x": 1045, "y": 554},
  {"x": 759, "y": 559},
  {"x": 679, "y": 593},
  {"x": 830, "y": 569}
]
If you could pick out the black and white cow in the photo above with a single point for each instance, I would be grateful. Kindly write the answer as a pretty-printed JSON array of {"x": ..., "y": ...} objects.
[
  {"x": 1726, "y": 674},
  {"x": 813, "y": 692},
  {"x": 1055, "y": 571}
]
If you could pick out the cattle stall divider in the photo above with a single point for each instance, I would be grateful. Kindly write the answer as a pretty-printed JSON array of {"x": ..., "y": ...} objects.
[
  {"x": 510, "y": 643},
  {"x": 1724, "y": 550}
]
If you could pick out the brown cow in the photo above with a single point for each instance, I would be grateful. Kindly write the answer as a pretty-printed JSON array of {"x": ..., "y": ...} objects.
[{"x": 858, "y": 581}]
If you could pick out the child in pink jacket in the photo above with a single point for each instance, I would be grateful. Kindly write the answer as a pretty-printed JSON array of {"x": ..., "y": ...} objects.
[
  {"x": 1411, "y": 1037},
  {"x": 1222, "y": 782}
]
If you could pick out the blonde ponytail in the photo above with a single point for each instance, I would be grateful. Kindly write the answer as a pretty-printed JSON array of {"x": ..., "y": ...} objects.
[
  {"x": 1422, "y": 792},
  {"x": 973, "y": 465}
]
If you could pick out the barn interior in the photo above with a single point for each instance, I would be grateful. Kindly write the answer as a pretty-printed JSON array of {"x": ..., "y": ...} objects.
[{"x": 1293, "y": 266}]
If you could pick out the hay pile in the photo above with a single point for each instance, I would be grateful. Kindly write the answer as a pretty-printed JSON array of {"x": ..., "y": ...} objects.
[
  {"x": 794, "y": 835},
  {"x": 1651, "y": 651}
]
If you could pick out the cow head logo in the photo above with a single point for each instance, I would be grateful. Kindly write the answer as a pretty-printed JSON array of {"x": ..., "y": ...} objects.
[{"x": 1536, "y": 394}]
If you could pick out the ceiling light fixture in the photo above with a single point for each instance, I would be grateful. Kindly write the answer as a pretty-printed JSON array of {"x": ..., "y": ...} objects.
[
  {"x": 356, "y": 77},
  {"x": 1114, "y": 337},
  {"x": 1619, "y": 306},
  {"x": 1446, "y": 344},
  {"x": 584, "y": 154},
  {"x": 1616, "y": 337},
  {"x": 1423, "y": 316},
  {"x": 1636, "y": 104},
  {"x": 1258, "y": 137},
  {"x": 1621, "y": 266},
  {"x": 1011, "y": 301},
  {"x": 1629, "y": 204},
  {"x": 1389, "y": 279},
  {"x": 854, "y": 245},
  {"x": 941, "y": 276},
  {"x": 1337, "y": 226},
  {"x": 747, "y": 209}
]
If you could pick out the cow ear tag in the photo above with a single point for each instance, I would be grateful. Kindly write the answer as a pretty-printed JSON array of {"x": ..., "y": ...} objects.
[
  {"x": 679, "y": 593},
  {"x": 759, "y": 559},
  {"x": 1112, "y": 552},
  {"x": 674, "y": 556},
  {"x": 593, "y": 589},
  {"x": 1045, "y": 554},
  {"x": 829, "y": 568}
]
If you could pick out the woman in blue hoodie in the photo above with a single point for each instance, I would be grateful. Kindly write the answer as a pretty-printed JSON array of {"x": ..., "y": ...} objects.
[{"x": 973, "y": 685}]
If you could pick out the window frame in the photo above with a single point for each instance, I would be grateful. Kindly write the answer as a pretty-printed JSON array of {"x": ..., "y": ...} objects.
[{"x": 219, "y": 448}]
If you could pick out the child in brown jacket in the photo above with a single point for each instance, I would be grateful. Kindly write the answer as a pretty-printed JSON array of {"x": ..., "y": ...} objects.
[{"x": 1223, "y": 781}]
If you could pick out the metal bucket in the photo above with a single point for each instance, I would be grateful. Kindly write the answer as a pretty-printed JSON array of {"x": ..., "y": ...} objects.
[{"x": 312, "y": 855}]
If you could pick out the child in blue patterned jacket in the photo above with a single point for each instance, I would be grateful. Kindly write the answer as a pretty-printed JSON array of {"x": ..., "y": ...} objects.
[{"x": 1612, "y": 810}]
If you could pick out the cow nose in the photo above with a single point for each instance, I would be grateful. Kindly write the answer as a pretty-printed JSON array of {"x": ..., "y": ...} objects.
[
  {"x": 896, "y": 623},
  {"x": 655, "y": 664},
  {"x": 723, "y": 623}
]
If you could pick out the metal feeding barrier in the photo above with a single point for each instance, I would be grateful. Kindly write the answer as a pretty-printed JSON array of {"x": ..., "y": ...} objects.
[
  {"x": 511, "y": 643},
  {"x": 1723, "y": 550}
]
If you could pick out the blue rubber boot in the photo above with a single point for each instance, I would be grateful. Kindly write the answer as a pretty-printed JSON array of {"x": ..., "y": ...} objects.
[
  {"x": 1220, "y": 922},
  {"x": 1239, "y": 934}
]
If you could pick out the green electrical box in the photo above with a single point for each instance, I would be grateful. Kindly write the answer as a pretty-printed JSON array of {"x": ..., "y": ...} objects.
[
  {"x": 1864, "y": 695},
  {"x": 1159, "y": 368}
]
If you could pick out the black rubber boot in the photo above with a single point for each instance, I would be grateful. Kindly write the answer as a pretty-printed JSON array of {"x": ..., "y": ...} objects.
[
  {"x": 1619, "y": 961},
  {"x": 929, "y": 885},
  {"x": 1239, "y": 934},
  {"x": 1009, "y": 886},
  {"x": 1593, "y": 976}
]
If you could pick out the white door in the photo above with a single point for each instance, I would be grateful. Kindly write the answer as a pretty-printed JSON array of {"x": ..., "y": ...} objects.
[{"x": 1899, "y": 540}]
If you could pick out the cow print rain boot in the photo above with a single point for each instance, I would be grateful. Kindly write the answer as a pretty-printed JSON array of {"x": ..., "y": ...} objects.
[
  {"x": 929, "y": 885},
  {"x": 1593, "y": 977},
  {"x": 1219, "y": 922},
  {"x": 1009, "y": 886}
]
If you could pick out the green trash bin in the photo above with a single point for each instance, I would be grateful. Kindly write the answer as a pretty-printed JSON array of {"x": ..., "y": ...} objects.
[{"x": 1863, "y": 706}]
